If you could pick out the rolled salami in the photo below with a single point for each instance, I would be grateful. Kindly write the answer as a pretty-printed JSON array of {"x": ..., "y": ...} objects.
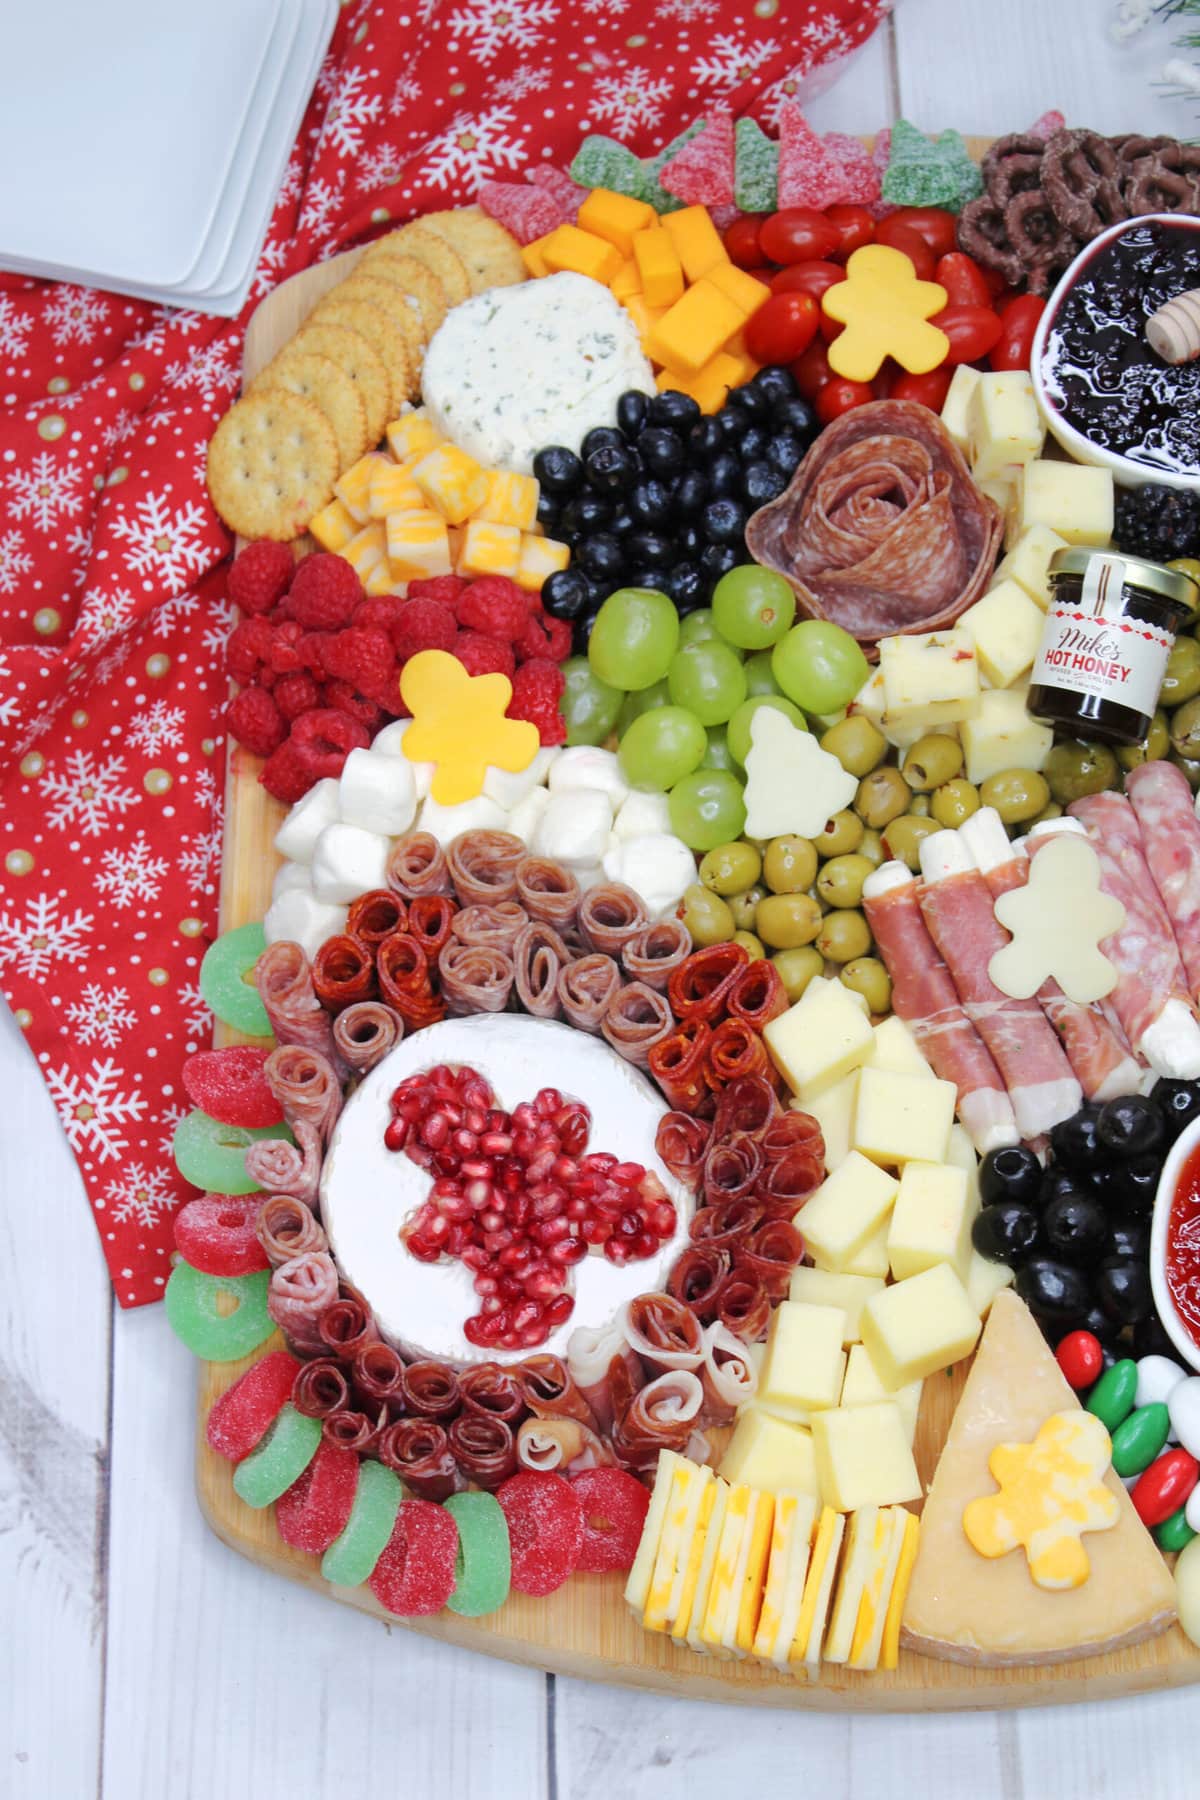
[
  {"x": 300, "y": 1290},
  {"x": 483, "y": 866},
  {"x": 610, "y": 914},
  {"x": 419, "y": 1451},
  {"x": 538, "y": 955},
  {"x": 430, "y": 918},
  {"x": 729, "y": 1376},
  {"x": 346, "y": 1327},
  {"x": 484, "y": 1448},
  {"x": 378, "y": 1376},
  {"x": 495, "y": 926},
  {"x": 288, "y": 1168},
  {"x": 306, "y": 1086},
  {"x": 343, "y": 971},
  {"x": 659, "y": 1416},
  {"x": 321, "y": 1388},
  {"x": 487, "y": 1388},
  {"x": 662, "y": 1332},
  {"x": 635, "y": 1020},
  {"x": 586, "y": 989},
  {"x": 284, "y": 982},
  {"x": 679, "y": 1064},
  {"x": 757, "y": 995},
  {"x": 547, "y": 890},
  {"x": 365, "y": 1032},
  {"x": 728, "y": 1223},
  {"x": 743, "y": 1305},
  {"x": 351, "y": 1430},
  {"x": 770, "y": 1253},
  {"x": 417, "y": 865},
  {"x": 749, "y": 1103},
  {"x": 431, "y": 1390},
  {"x": 286, "y": 1227},
  {"x": 697, "y": 1276},
  {"x": 700, "y": 987},
  {"x": 732, "y": 1167},
  {"x": 549, "y": 1389},
  {"x": 404, "y": 981},
  {"x": 736, "y": 1051},
  {"x": 474, "y": 978},
  {"x": 375, "y": 915},
  {"x": 682, "y": 1142},
  {"x": 654, "y": 953}
]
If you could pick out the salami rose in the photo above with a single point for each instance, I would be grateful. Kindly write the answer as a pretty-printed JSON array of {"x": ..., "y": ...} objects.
[
  {"x": 697, "y": 1276},
  {"x": 474, "y": 978},
  {"x": 662, "y": 1332},
  {"x": 682, "y": 1142},
  {"x": 547, "y": 890},
  {"x": 306, "y": 1086},
  {"x": 430, "y": 918},
  {"x": 321, "y": 1388},
  {"x": 586, "y": 989},
  {"x": 419, "y": 1451},
  {"x": 736, "y": 1051},
  {"x": 549, "y": 1389},
  {"x": 727, "y": 1223},
  {"x": 483, "y": 866},
  {"x": 679, "y": 1064},
  {"x": 635, "y": 1020},
  {"x": 350, "y": 1430},
  {"x": 495, "y": 927},
  {"x": 487, "y": 1388},
  {"x": 378, "y": 1375},
  {"x": 300, "y": 1290},
  {"x": 771, "y": 1252},
  {"x": 757, "y": 995},
  {"x": 285, "y": 1168},
  {"x": 286, "y": 1227},
  {"x": 748, "y": 1104},
  {"x": 284, "y": 981},
  {"x": 700, "y": 987},
  {"x": 538, "y": 955},
  {"x": 484, "y": 1448},
  {"x": 346, "y": 1327},
  {"x": 609, "y": 915}
]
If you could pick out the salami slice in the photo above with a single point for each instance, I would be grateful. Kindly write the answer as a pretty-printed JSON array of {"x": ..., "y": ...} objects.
[
  {"x": 306, "y": 1086},
  {"x": 375, "y": 915},
  {"x": 1161, "y": 798},
  {"x": 586, "y": 988},
  {"x": 732, "y": 1167},
  {"x": 483, "y": 866},
  {"x": 662, "y": 1332},
  {"x": 484, "y": 1448},
  {"x": 285, "y": 1168},
  {"x": 419, "y": 1451},
  {"x": 682, "y": 1142},
  {"x": 430, "y": 918},
  {"x": 417, "y": 865},
  {"x": 538, "y": 955},
  {"x": 300, "y": 1290},
  {"x": 547, "y": 890},
  {"x": 284, "y": 981},
  {"x": 749, "y": 1103},
  {"x": 679, "y": 1064},
  {"x": 635, "y": 1020},
  {"x": 404, "y": 981},
  {"x": 549, "y": 1389},
  {"x": 346, "y": 1327},
  {"x": 558, "y": 1445},
  {"x": 321, "y": 1388},
  {"x": 431, "y": 1390},
  {"x": 349, "y": 1429},
  {"x": 771, "y": 1252},
  {"x": 365, "y": 1032},
  {"x": 791, "y": 1130},
  {"x": 610, "y": 914},
  {"x": 487, "y": 1388},
  {"x": 474, "y": 978},
  {"x": 495, "y": 926},
  {"x": 286, "y": 1227},
  {"x": 660, "y": 1416},
  {"x": 743, "y": 1305},
  {"x": 343, "y": 971},
  {"x": 729, "y": 1376},
  {"x": 757, "y": 995},
  {"x": 788, "y": 1181},
  {"x": 655, "y": 952},
  {"x": 697, "y": 1277},
  {"x": 728, "y": 1223},
  {"x": 378, "y": 1376},
  {"x": 736, "y": 1051}
]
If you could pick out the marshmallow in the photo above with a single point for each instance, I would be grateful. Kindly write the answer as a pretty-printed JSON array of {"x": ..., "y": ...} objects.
[
  {"x": 347, "y": 861},
  {"x": 641, "y": 815},
  {"x": 377, "y": 792},
  {"x": 574, "y": 828},
  {"x": 509, "y": 790},
  {"x": 289, "y": 877},
  {"x": 298, "y": 917},
  {"x": 307, "y": 820},
  {"x": 390, "y": 741},
  {"x": 658, "y": 867},
  {"x": 584, "y": 766},
  {"x": 526, "y": 816},
  {"x": 445, "y": 822}
]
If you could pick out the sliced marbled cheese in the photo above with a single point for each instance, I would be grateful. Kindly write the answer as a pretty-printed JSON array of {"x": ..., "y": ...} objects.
[
  {"x": 818, "y": 1591},
  {"x": 638, "y": 1584}
]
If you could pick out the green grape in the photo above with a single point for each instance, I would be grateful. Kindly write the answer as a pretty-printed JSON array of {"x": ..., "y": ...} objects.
[
  {"x": 760, "y": 678},
  {"x": 589, "y": 705},
  {"x": 718, "y": 755},
  {"x": 661, "y": 747},
  {"x": 707, "y": 678},
  {"x": 645, "y": 700},
  {"x": 707, "y": 809},
  {"x": 819, "y": 666},
  {"x": 737, "y": 732},
  {"x": 634, "y": 638},
  {"x": 753, "y": 607},
  {"x": 697, "y": 628}
]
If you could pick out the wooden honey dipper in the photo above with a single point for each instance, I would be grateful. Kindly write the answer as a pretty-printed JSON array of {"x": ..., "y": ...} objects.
[{"x": 1174, "y": 330}]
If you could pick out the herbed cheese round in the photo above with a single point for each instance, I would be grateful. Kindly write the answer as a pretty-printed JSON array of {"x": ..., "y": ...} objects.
[{"x": 517, "y": 368}]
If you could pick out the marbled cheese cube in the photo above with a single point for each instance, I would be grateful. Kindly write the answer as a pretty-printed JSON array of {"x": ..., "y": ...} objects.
[
  {"x": 1002, "y": 735},
  {"x": 825, "y": 1287},
  {"x": 366, "y": 551},
  {"x": 863, "y": 1457},
  {"x": 769, "y": 1454},
  {"x": 452, "y": 482},
  {"x": 353, "y": 488},
  {"x": 1007, "y": 628},
  {"x": 1004, "y": 426},
  {"x": 1073, "y": 499},
  {"x": 916, "y": 1327},
  {"x": 540, "y": 556},
  {"x": 929, "y": 678},
  {"x": 902, "y": 1118},
  {"x": 848, "y": 1209},
  {"x": 333, "y": 526},
  {"x": 931, "y": 1220},
  {"x": 510, "y": 499},
  {"x": 1029, "y": 562},
  {"x": 805, "y": 1362},
  {"x": 413, "y": 434},
  {"x": 488, "y": 549},
  {"x": 820, "y": 1039},
  {"x": 417, "y": 544},
  {"x": 393, "y": 490}
]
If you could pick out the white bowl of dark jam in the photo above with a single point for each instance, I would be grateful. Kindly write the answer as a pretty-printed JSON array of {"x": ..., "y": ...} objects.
[{"x": 1107, "y": 397}]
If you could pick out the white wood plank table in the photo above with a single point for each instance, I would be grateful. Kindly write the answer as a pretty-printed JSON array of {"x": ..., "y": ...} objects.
[{"x": 140, "y": 1660}]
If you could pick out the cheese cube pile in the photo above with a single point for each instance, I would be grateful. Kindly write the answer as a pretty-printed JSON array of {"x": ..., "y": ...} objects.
[
  {"x": 675, "y": 280},
  {"x": 423, "y": 507}
]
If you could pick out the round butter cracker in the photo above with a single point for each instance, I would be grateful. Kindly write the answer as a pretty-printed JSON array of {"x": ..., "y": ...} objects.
[
  {"x": 402, "y": 312},
  {"x": 439, "y": 256},
  {"x": 411, "y": 277},
  {"x": 272, "y": 463},
  {"x": 319, "y": 379},
  {"x": 350, "y": 350},
  {"x": 342, "y": 308},
  {"x": 492, "y": 255}
]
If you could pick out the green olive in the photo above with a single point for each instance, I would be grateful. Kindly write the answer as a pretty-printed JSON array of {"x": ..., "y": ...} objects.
[
  {"x": 743, "y": 906},
  {"x": 844, "y": 936},
  {"x": 1190, "y": 768},
  {"x": 842, "y": 833},
  {"x": 1153, "y": 747},
  {"x": 1187, "y": 565},
  {"x": 954, "y": 802},
  {"x": 841, "y": 879},
  {"x": 1016, "y": 794},
  {"x": 706, "y": 916},
  {"x": 1182, "y": 678},
  {"x": 1052, "y": 810},
  {"x": 730, "y": 868},
  {"x": 932, "y": 761},
  {"x": 858, "y": 745},
  {"x": 882, "y": 796},
  {"x": 789, "y": 865},
  {"x": 786, "y": 921},
  {"x": 1074, "y": 769},
  {"x": 750, "y": 944},
  {"x": 904, "y": 836},
  {"x": 797, "y": 968},
  {"x": 1185, "y": 730},
  {"x": 920, "y": 806},
  {"x": 867, "y": 976},
  {"x": 872, "y": 848}
]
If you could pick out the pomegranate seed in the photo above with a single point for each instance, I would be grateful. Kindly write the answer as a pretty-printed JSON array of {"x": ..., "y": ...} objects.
[
  {"x": 645, "y": 1244},
  {"x": 577, "y": 1208},
  {"x": 455, "y": 1207},
  {"x": 474, "y": 1256},
  {"x": 617, "y": 1250},
  {"x": 517, "y": 1209},
  {"x": 423, "y": 1250},
  {"x": 550, "y": 1231},
  {"x": 568, "y": 1250},
  {"x": 588, "y": 1186},
  {"x": 485, "y": 1284},
  {"x": 628, "y": 1174},
  {"x": 475, "y": 1332},
  {"x": 395, "y": 1135},
  {"x": 599, "y": 1163},
  {"x": 558, "y": 1311},
  {"x": 420, "y": 1155},
  {"x": 542, "y": 1284},
  {"x": 596, "y": 1230},
  {"x": 465, "y": 1142},
  {"x": 496, "y": 1143},
  {"x": 495, "y": 1241},
  {"x": 475, "y": 1120},
  {"x": 480, "y": 1194},
  {"x": 661, "y": 1219},
  {"x": 547, "y": 1205},
  {"x": 492, "y": 1304},
  {"x": 515, "y": 1255},
  {"x": 490, "y": 1219},
  {"x": 548, "y": 1102},
  {"x": 528, "y": 1313},
  {"x": 457, "y": 1240},
  {"x": 565, "y": 1168},
  {"x": 533, "y": 1335},
  {"x": 524, "y": 1116}
]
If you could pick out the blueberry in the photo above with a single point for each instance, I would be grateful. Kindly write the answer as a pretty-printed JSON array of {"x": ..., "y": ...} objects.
[
  {"x": 1006, "y": 1232},
  {"x": 686, "y": 585},
  {"x": 1131, "y": 1125},
  {"x": 690, "y": 541},
  {"x": 761, "y": 483},
  {"x": 583, "y": 626},
  {"x": 643, "y": 576},
  {"x": 690, "y": 491},
  {"x": 724, "y": 475},
  {"x": 1013, "y": 1173},
  {"x": 749, "y": 400},
  {"x": 633, "y": 409},
  {"x": 1074, "y": 1143},
  {"x": 570, "y": 520},
  {"x": 1075, "y": 1228},
  {"x": 650, "y": 502},
  {"x": 775, "y": 382},
  {"x": 558, "y": 469},
  {"x": 705, "y": 439},
  {"x": 602, "y": 437},
  {"x": 1123, "y": 1289},
  {"x": 1053, "y": 1291},
  {"x": 623, "y": 521},
  {"x": 565, "y": 594},
  {"x": 798, "y": 416},
  {"x": 612, "y": 467},
  {"x": 661, "y": 450},
  {"x": 784, "y": 452},
  {"x": 650, "y": 549},
  {"x": 717, "y": 560},
  {"x": 1179, "y": 1103},
  {"x": 723, "y": 522},
  {"x": 591, "y": 509},
  {"x": 734, "y": 423},
  {"x": 678, "y": 411},
  {"x": 549, "y": 508},
  {"x": 753, "y": 445},
  {"x": 602, "y": 555}
]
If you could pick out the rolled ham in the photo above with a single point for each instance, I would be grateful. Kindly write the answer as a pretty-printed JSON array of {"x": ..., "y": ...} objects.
[
  {"x": 559, "y": 1444},
  {"x": 1162, "y": 800},
  {"x": 925, "y": 997},
  {"x": 591, "y": 1350},
  {"x": 727, "y": 1373},
  {"x": 662, "y": 1332}
]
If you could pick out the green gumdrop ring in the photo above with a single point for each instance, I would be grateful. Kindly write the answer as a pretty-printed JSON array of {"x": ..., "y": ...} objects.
[
  {"x": 281, "y": 1458},
  {"x": 194, "y": 1317},
  {"x": 351, "y": 1558},
  {"x": 212, "y": 1156},
  {"x": 226, "y": 964},
  {"x": 483, "y": 1568}
]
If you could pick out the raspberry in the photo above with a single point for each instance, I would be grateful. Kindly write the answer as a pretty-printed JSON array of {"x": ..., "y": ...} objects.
[
  {"x": 286, "y": 774},
  {"x": 254, "y": 720},
  {"x": 538, "y": 685},
  {"x": 534, "y": 641},
  {"x": 362, "y": 656},
  {"x": 247, "y": 648},
  {"x": 494, "y": 606},
  {"x": 445, "y": 588},
  {"x": 283, "y": 657},
  {"x": 296, "y": 694},
  {"x": 559, "y": 633},
  {"x": 260, "y": 576},
  {"x": 345, "y": 699},
  {"x": 324, "y": 739},
  {"x": 423, "y": 625},
  {"x": 380, "y": 610},
  {"x": 480, "y": 655},
  {"x": 324, "y": 592},
  {"x": 311, "y": 651}
]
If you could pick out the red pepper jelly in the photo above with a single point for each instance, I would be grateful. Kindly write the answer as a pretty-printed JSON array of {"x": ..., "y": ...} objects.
[{"x": 1182, "y": 1256}]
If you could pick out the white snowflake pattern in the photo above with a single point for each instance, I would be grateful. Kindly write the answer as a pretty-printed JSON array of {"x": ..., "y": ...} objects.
[
  {"x": 406, "y": 90},
  {"x": 132, "y": 874},
  {"x": 274, "y": 256},
  {"x": 222, "y": 616},
  {"x": 321, "y": 203},
  {"x": 293, "y": 180},
  {"x": 473, "y": 147},
  {"x": 139, "y": 1195},
  {"x": 687, "y": 11},
  {"x": 349, "y": 113},
  {"x": 117, "y": 429},
  {"x": 197, "y": 1014},
  {"x": 732, "y": 59},
  {"x": 827, "y": 33},
  {"x": 631, "y": 100},
  {"x": 100, "y": 1015},
  {"x": 169, "y": 1117},
  {"x": 163, "y": 542},
  {"x": 15, "y": 561},
  {"x": 117, "y": 653},
  {"x": 525, "y": 79},
  {"x": 103, "y": 614},
  {"x": 613, "y": 8},
  {"x": 492, "y": 26},
  {"x": 157, "y": 727},
  {"x": 171, "y": 611},
  {"x": 43, "y": 491},
  {"x": 379, "y": 168},
  {"x": 199, "y": 857},
  {"x": 14, "y": 329},
  {"x": 79, "y": 545},
  {"x": 94, "y": 1110},
  {"x": 75, "y": 314},
  {"x": 212, "y": 371},
  {"x": 43, "y": 936},
  {"x": 88, "y": 792}
]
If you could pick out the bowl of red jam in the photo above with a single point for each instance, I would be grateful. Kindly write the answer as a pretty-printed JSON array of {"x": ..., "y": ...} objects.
[{"x": 1175, "y": 1245}]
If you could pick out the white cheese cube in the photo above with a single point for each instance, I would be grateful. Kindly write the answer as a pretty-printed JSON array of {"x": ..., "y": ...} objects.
[
  {"x": 902, "y": 1118},
  {"x": 916, "y": 1327},
  {"x": 872, "y": 1259},
  {"x": 985, "y": 1280},
  {"x": 931, "y": 1220},
  {"x": 823, "y": 1287},
  {"x": 956, "y": 406},
  {"x": 1029, "y": 562},
  {"x": 574, "y": 827},
  {"x": 658, "y": 866},
  {"x": 897, "y": 1048},
  {"x": 508, "y": 788},
  {"x": 1003, "y": 736},
  {"x": 297, "y": 836},
  {"x": 833, "y": 1109},
  {"x": 863, "y": 1457},
  {"x": 347, "y": 861},
  {"x": 862, "y": 1387},
  {"x": 298, "y": 917},
  {"x": 1004, "y": 425},
  {"x": 390, "y": 742},
  {"x": 1074, "y": 499},
  {"x": 960, "y": 1154},
  {"x": 586, "y": 766},
  {"x": 1007, "y": 628},
  {"x": 290, "y": 876},
  {"x": 377, "y": 791},
  {"x": 526, "y": 815},
  {"x": 445, "y": 822},
  {"x": 805, "y": 1362},
  {"x": 929, "y": 678},
  {"x": 846, "y": 1210},
  {"x": 770, "y": 1455},
  {"x": 643, "y": 815},
  {"x": 820, "y": 1039}
]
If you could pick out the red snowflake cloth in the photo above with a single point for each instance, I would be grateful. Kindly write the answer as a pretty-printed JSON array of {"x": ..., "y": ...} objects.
[{"x": 112, "y": 562}]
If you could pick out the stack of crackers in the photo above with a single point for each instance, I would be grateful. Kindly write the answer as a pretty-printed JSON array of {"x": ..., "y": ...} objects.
[{"x": 324, "y": 400}]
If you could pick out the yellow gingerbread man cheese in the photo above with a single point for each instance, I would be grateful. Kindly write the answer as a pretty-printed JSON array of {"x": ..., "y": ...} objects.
[
  {"x": 1051, "y": 1492},
  {"x": 885, "y": 310},
  {"x": 459, "y": 725}
]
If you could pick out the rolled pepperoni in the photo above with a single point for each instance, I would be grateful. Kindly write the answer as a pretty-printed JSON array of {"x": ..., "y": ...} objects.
[
  {"x": 365, "y": 1032},
  {"x": 771, "y": 1252},
  {"x": 538, "y": 955},
  {"x": 417, "y": 865},
  {"x": 609, "y": 915},
  {"x": 487, "y": 1388},
  {"x": 728, "y": 1223},
  {"x": 547, "y": 890},
  {"x": 636, "y": 1019},
  {"x": 474, "y": 978},
  {"x": 679, "y": 1064},
  {"x": 660, "y": 1416},
  {"x": 757, "y": 995},
  {"x": 419, "y": 1452},
  {"x": 494, "y": 926},
  {"x": 654, "y": 953},
  {"x": 346, "y": 1327},
  {"x": 484, "y": 1448},
  {"x": 306, "y": 1086},
  {"x": 749, "y": 1103},
  {"x": 431, "y": 1390},
  {"x": 286, "y": 1227},
  {"x": 700, "y": 987},
  {"x": 286, "y": 1168},
  {"x": 352, "y": 1430},
  {"x": 697, "y": 1276},
  {"x": 737, "y": 1050},
  {"x": 682, "y": 1143},
  {"x": 550, "y": 1390},
  {"x": 558, "y": 1445},
  {"x": 430, "y": 918},
  {"x": 343, "y": 971},
  {"x": 586, "y": 988},
  {"x": 284, "y": 981},
  {"x": 378, "y": 1376},
  {"x": 743, "y": 1305},
  {"x": 731, "y": 1168},
  {"x": 729, "y": 1376},
  {"x": 404, "y": 981},
  {"x": 375, "y": 915},
  {"x": 300, "y": 1290},
  {"x": 321, "y": 1388},
  {"x": 483, "y": 866},
  {"x": 1161, "y": 798},
  {"x": 662, "y": 1332}
]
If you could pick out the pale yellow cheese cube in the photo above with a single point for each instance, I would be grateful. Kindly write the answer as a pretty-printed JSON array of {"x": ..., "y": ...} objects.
[
  {"x": 956, "y": 405},
  {"x": 510, "y": 500},
  {"x": 488, "y": 549},
  {"x": 452, "y": 482},
  {"x": 820, "y": 1039},
  {"x": 417, "y": 544},
  {"x": 1007, "y": 628},
  {"x": 1029, "y": 562},
  {"x": 862, "y": 1387},
  {"x": 353, "y": 486},
  {"x": 769, "y": 1454},
  {"x": 863, "y": 1456},
  {"x": 931, "y": 1220},
  {"x": 985, "y": 1280},
  {"x": 1002, "y": 735},
  {"x": 902, "y": 1118},
  {"x": 366, "y": 551},
  {"x": 833, "y": 1109},
  {"x": 826, "y": 1287},
  {"x": 870, "y": 700},
  {"x": 872, "y": 1259},
  {"x": 805, "y": 1361},
  {"x": 393, "y": 490},
  {"x": 412, "y": 434},
  {"x": 916, "y": 1327},
  {"x": 540, "y": 556},
  {"x": 333, "y": 526},
  {"x": 929, "y": 678},
  {"x": 847, "y": 1209},
  {"x": 1074, "y": 499},
  {"x": 960, "y": 1154},
  {"x": 1004, "y": 425},
  {"x": 897, "y": 1048}
]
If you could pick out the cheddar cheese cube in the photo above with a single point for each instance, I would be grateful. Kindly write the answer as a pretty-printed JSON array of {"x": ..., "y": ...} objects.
[
  {"x": 615, "y": 217},
  {"x": 745, "y": 290},
  {"x": 418, "y": 544},
  {"x": 902, "y": 1118},
  {"x": 1007, "y": 627},
  {"x": 540, "y": 556},
  {"x": 533, "y": 258},
  {"x": 931, "y": 1220},
  {"x": 645, "y": 318},
  {"x": 659, "y": 268},
  {"x": 353, "y": 486},
  {"x": 846, "y": 1210},
  {"x": 582, "y": 252},
  {"x": 826, "y": 1287},
  {"x": 452, "y": 482},
  {"x": 916, "y": 1327},
  {"x": 333, "y": 526},
  {"x": 863, "y": 1457},
  {"x": 412, "y": 434},
  {"x": 697, "y": 242},
  {"x": 805, "y": 1361},
  {"x": 626, "y": 281},
  {"x": 769, "y": 1454},
  {"x": 692, "y": 331},
  {"x": 710, "y": 385},
  {"x": 862, "y": 1387},
  {"x": 366, "y": 550},
  {"x": 510, "y": 499},
  {"x": 820, "y": 1039},
  {"x": 393, "y": 490},
  {"x": 488, "y": 549}
]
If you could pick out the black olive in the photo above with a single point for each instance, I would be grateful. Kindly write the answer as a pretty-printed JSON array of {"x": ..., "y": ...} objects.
[
  {"x": 558, "y": 469},
  {"x": 661, "y": 450},
  {"x": 1074, "y": 1143},
  {"x": 1179, "y": 1103},
  {"x": 651, "y": 503},
  {"x": 1058, "y": 1183},
  {"x": 602, "y": 555},
  {"x": 749, "y": 400},
  {"x": 1150, "y": 1338},
  {"x": 650, "y": 549},
  {"x": 690, "y": 491},
  {"x": 583, "y": 628},
  {"x": 1097, "y": 1321},
  {"x": 784, "y": 451},
  {"x": 565, "y": 594},
  {"x": 623, "y": 521},
  {"x": 1005, "y": 1232},
  {"x": 601, "y": 437},
  {"x": 761, "y": 483},
  {"x": 1053, "y": 1290},
  {"x": 1122, "y": 1286},
  {"x": 1076, "y": 1228},
  {"x": 723, "y": 521},
  {"x": 1129, "y": 1237},
  {"x": 633, "y": 409},
  {"x": 690, "y": 541},
  {"x": 687, "y": 586},
  {"x": 1131, "y": 1187},
  {"x": 1013, "y": 1173},
  {"x": 717, "y": 560},
  {"x": 1131, "y": 1125},
  {"x": 612, "y": 467},
  {"x": 679, "y": 411},
  {"x": 775, "y": 381},
  {"x": 798, "y": 416},
  {"x": 705, "y": 439},
  {"x": 724, "y": 475},
  {"x": 753, "y": 445},
  {"x": 549, "y": 507}
]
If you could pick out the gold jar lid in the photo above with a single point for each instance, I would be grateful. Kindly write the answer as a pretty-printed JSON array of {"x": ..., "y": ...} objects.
[{"x": 1154, "y": 578}]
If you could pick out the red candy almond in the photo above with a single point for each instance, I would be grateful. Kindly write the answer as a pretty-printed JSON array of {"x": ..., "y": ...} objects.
[
  {"x": 230, "y": 1086},
  {"x": 545, "y": 1529},
  {"x": 215, "y": 1233},
  {"x": 415, "y": 1574},
  {"x": 243, "y": 1413},
  {"x": 614, "y": 1507},
  {"x": 315, "y": 1509}
]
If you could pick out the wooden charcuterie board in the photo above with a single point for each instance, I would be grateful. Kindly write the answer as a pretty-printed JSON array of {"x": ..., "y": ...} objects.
[{"x": 585, "y": 1628}]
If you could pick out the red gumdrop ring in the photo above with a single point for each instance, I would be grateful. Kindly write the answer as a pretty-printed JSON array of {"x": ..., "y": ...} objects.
[
  {"x": 1162, "y": 1488},
  {"x": 614, "y": 1505},
  {"x": 316, "y": 1508},
  {"x": 244, "y": 1412},
  {"x": 230, "y": 1086},
  {"x": 1081, "y": 1359},
  {"x": 215, "y": 1234},
  {"x": 415, "y": 1574},
  {"x": 545, "y": 1529}
]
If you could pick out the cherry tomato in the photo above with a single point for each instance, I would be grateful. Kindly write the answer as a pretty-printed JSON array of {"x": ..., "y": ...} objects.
[
  {"x": 927, "y": 390},
  {"x": 782, "y": 328},
  {"x": 855, "y": 225},
  {"x": 813, "y": 278},
  {"x": 840, "y": 396},
  {"x": 811, "y": 371},
  {"x": 898, "y": 236},
  {"x": 1081, "y": 1359},
  {"x": 830, "y": 328},
  {"x": 797, "y": 234},
  {"x": 938, "y": 228},
  {"x": 883, "y": 385},
  {"x": 962, "y": 278},
  {"x": 1018, "y": 326},
  {"x": 741, "y": 242},
  {"x": 998, "y": 288},
  {"x": 972, "y": 330}
]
